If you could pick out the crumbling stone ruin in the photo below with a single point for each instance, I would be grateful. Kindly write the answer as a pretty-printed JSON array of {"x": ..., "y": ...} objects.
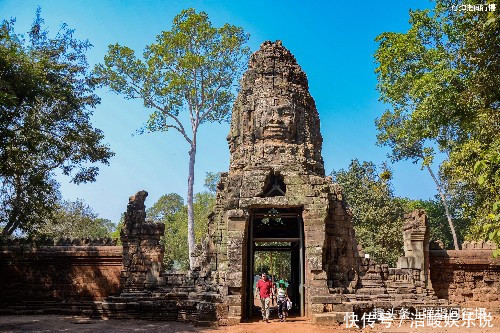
[
  {"x": 275, "y": 196},
  {"x": 147, "y": 290},
  {"x": 469, "y": 276},
  {"x": 275, "y": 191},
  {"x": 276, "y": 173},
  {"x": 142, "y": 251}
]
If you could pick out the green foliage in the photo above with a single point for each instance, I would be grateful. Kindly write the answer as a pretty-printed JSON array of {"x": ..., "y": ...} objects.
[
  {"x": 377, "y": 215},
  {"x": 276, "y": 264},
  {"x": 211, "y": 181},
  {"x": 75, "y": 220},
  {"x": 170, "y": 209},
  {"x": 193, "y": 65},
  {"x": 166, "y": 207},
  {"x": 46, "y": 92},
  {"x": 441, "y": 80},
  {"x": 115, "y": 235},
  {"x": 488, "y": 171},
  {"x": 438, "y": 228}
]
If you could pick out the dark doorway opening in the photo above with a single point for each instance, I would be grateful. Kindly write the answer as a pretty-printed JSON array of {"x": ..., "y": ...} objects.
[{"x": 276, "y": 246}]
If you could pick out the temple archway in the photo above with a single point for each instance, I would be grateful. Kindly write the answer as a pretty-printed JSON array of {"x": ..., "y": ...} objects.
[{"x": 278, "y": 232}]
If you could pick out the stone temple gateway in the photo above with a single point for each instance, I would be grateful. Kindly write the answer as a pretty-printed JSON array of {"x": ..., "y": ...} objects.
[
  {"x": 276, "y": 172},
  {"x": 275, "y": 197}
]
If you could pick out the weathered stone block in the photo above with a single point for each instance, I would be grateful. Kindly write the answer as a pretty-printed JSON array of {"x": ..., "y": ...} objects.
[
  {"x": 328, "y": 319},
  {"x": 330, "y": 299}
]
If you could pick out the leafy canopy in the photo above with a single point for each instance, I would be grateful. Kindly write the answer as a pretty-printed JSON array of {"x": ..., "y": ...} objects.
[
  {"x": 75, "y": 219},
  {"x": 211, "y": 181},
  {"x": 191, "y": 67},
  {"x": 441, "y": 80},
  {"x": 46, "y": 97},
  {"x": 377, "y": 215},
  {"x": 170, "y": 209},
  {"x": 434, "y": 209}
]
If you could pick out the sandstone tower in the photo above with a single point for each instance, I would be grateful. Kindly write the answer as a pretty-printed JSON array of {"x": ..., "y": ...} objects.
[{"x": 276, "y": 192}]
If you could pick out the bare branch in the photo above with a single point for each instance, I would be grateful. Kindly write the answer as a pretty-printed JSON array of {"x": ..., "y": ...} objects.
[
  {"x": 204, "y": 115},
  {"x": 179, "y": 128},
  {"x": 200, "y": 107},
  {"x": 180, "y": 131},
  {"x": 190, "y": 107}
]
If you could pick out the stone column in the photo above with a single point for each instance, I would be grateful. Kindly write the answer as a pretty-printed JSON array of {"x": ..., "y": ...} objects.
[
  {"x": 236, "y": 253},
  {"x": 416, "y": 245},
  {"x": 142, "y": 251}
]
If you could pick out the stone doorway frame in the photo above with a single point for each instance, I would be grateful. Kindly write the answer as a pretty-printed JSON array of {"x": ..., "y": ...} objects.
[{"x": 296, "y": 212}]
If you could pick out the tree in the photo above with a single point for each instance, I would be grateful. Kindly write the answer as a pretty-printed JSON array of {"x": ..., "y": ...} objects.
[
  {"x": 76, "y": 220},
  {"x": 46, "y": 97},
  {"x": 190, "y": 68},
  {"x": 116, "y": 234},
  {"x": 406, "y": 142},
  {"x": 167, "y": 206},
  {"x": 435, "y": 211},
  {"x": 170, "y": 209},
  {"x": 277, "y": 264},
  {"x": 488, "y": 171},
  {"x": 211, "y": 181},
  {"x": 442, "y": 82},
  {"x": 377, "y": 214}
]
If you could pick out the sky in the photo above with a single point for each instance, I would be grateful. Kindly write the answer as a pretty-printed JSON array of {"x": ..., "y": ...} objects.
[{"x": 333, "y": 42}]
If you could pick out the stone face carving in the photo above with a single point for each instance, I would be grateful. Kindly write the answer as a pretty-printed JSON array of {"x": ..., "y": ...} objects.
[
  {"x": 276, "y": 166},
  {"x": 274, "y": 117},
  {"x": 276, "y": 163}
]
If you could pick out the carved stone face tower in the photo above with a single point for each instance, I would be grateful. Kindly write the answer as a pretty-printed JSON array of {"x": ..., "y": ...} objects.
[
  {"x": 274, "y": 121},
  {"x": 276, "y": 192}
]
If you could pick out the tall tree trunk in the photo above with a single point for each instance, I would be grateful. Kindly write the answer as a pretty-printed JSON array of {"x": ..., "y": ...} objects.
[
  {"x": 191, "y": 238},
  {"x": 13, "y": 222},
  {"x": 445, "y": 203},
  {"x": 8, "y": 229}
]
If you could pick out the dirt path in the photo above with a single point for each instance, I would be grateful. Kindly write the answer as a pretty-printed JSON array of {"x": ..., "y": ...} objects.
[{"x": 46, "y": 323}]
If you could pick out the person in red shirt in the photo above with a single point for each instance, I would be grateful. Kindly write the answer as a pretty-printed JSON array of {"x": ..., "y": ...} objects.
[{"x": 265, "y": 290}]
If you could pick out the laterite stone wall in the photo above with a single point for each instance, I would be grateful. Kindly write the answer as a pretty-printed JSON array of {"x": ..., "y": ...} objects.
[
  {"x": 57, "y": 278},
  {"x": 469, "y": 276}
]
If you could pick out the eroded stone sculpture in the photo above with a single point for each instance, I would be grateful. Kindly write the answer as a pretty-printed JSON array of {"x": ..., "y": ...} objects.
[{"x": 142, "y": 251}]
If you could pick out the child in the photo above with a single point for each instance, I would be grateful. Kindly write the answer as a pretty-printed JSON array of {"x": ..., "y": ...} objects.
[{"x": 282, "y": 300}]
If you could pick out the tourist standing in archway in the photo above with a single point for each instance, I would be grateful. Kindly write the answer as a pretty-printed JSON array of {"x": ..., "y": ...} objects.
[{"x": 265, "y": 290}]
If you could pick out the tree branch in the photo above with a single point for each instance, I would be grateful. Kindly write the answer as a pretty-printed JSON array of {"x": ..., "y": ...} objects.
[
  {"x": 180, "y": 131},
  {"x": 445, "y": 204},
  {"x": 204, "y": 115},
  {"x": 179, "y": 128},
  {"x": 202, "y": 90}
]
